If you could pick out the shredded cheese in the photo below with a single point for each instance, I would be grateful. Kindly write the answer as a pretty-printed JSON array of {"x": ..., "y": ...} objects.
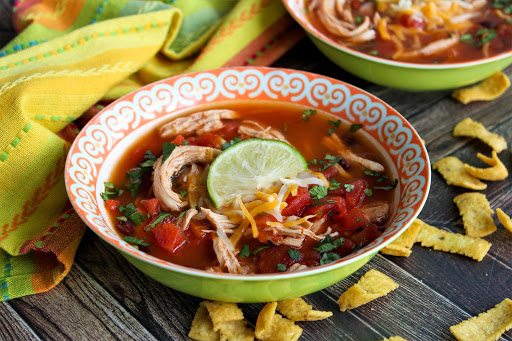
[
  {"x": 321, "y": 177},
  {"x": 249, "y": 217}
]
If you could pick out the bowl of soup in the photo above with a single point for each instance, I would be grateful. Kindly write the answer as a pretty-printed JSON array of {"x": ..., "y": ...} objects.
[
  {"x": 317, "y": 176},
  {"x": 411, "y": 44}
]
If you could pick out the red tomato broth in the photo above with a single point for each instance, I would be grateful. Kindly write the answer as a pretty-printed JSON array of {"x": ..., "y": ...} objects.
[
  {"x": 193, "y": 247},
  {"x": 467, "y": 49}
]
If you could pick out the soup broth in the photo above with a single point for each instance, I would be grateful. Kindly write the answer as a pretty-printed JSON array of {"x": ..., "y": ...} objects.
[{"x": 351, "y": 210}]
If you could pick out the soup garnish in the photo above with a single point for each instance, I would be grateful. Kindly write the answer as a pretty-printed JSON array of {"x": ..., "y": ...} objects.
[
  {"x": 281, "y": 214},
  {"x": 419, "y": 31}
]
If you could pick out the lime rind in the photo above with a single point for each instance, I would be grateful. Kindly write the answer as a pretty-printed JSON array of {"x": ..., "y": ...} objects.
[{"x": 250, "y": 166}]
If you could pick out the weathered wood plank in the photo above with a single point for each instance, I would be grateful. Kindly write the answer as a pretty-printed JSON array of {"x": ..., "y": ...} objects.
[
  {"x": 13, "y": 327},
  {"x": 79, "y": 308}
]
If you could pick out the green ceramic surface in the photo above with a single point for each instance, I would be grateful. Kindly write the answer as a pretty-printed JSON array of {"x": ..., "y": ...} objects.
[
  {"x": 414, "y": 77},
  {"x": 247, "y": 290}
]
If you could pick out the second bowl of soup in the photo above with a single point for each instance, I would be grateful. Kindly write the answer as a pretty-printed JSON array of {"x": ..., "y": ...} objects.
[
  {"x": 248, "y": 184},
  {"x": 411, "y": 45}
]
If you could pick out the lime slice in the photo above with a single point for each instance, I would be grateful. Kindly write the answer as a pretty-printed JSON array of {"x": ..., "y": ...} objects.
[{"x": 250, "y": 166}]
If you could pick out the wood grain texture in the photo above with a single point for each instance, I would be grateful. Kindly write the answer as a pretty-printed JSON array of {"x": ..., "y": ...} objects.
[{"x": 105, "y": 298}]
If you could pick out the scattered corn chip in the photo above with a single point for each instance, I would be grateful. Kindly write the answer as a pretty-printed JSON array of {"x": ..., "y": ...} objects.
[
  {"x": 498, "y": 171},
  {"x": 453, "y": 171},
  {"x": 223, "y": 312},
  {"x": 235, "y": 330},
  {"x": 471, "y": 128},
  {"x": 430, "y": 236},
  {"x": 504, "y": 219},
  {"x": 372, "y": 285},
  {"x": 476, "y": 214},
  {"x": 395, "y": 338},
  {"x": 491, "y": 88},
  {"x": 272, "y": 326},
  {"x": 296, "y": 309},
  {"x": 402, "y": 245},
  {"x": 486, "y": 326},
  {"x": 202, "y": 326}
]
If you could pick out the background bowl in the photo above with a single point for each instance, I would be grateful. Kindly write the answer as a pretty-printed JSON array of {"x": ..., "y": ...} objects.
[
  {"x": 103, "y": 141},
  {"x": 402, "y": 75}
]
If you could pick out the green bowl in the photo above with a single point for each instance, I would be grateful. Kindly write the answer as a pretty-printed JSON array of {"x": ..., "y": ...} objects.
[
  {"x": 101, "y": 144},
  {"x": 401, "y": 75}
]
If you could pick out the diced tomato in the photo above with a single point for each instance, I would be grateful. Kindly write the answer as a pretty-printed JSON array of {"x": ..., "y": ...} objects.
[
  {"x": 368, "y": 234},
  {"x": 261, "y": 222},
  {"x": 339, "y": 208},
  {"x": 329, "y": 172},
  {"x": 178, "y": 140},
  {"x": 207, "y": 140},
  {"x": 345, "y": 248},
  {"x": 228, "y": 132},
  {"x": 320, "y": 210},
  {"x": 356, "y": 4},
  {"x": 270, "y": 257},
  {"x": 410, "y": 21},
  {"x": 152, "y": 206},
  {"x": 297, "y": 203},
  {"x": 354, "y": 219},
  {"x": 112, "y": 205},
  {"x": 357, "y": 194},
  {"x": 168, "y": 236}
]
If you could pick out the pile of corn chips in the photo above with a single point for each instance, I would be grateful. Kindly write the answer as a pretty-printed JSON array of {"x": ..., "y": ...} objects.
[{"x": 225, "y": 321}]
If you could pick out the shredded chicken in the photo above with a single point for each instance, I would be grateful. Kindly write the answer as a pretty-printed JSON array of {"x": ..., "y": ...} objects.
[
  {"x": 334, "y": 143},
  {"x": 318, "y": 224},
  {"x": 431, "y": 49},
  {"x": 295, "y": 235},
  {"x": 220, "y": 221},
  {"x": 197, "y": 123},
  {"x": 296, "y": 267},
  {"x": 163, "y": 173},
  {"x": 184, "y": 221},
  {"x": 344, "y": 27},
  {"x": 227, "y": 258},
  {"x": 376, "y": 213},
  {"x": 254, "y": 129}
]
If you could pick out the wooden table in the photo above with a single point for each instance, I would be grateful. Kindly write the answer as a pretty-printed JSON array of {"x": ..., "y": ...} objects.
[{"x": 104, "y": 297}]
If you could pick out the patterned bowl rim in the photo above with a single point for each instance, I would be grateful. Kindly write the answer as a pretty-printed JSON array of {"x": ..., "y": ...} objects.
[
  {"x": 298, "y": 11},
  {"x": 81, "y": 147}
]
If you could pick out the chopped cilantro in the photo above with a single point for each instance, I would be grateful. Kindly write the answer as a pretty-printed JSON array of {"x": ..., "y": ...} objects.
[
  {"x": 313, "y": 162},
  {"x": 335, "y": 123},
  {"x": 369, "y": 192},
  {"x": 122, "y": 218},
  {"x": 333, "y": 184},
  {"x": 110, "y": 191},
  {"x": 355, "y": 127},
  {"x": 161, "y": 216},
  {"x": 281, "y": 267},
  {"x": 349, "y": 187},
  {"x": 330, "y": 160},
  {"x": 329, "y": 257},
  {"x": 317, "y": 192},
  {"x": 245, "y": 252},
  {"x": 331, "y": 131},
  {"x": 134, "y": 240},
  {"x": 185, "y": 143},
  {"x": 323, "y": 202},
  {"x": 466, "y": 38},
  {"x": 183, "y": 193},
  {"x": 371, "y": 173},
  {"x": 234, "y": 141},
  {"x": 167, "y": 149},
  {"x": 182, "y": 214},
  {"x": 359, "y": 19},
  {"x": 358, "y": 220},
  {"x": 388, "y": 188},
  {"x": 319, "y": 213},
  {"x": 294, "y": 254},
  {"x": 373, "y": 52},
  {"x": 261, "y": 248},
  {"x": 130, "y": 211},
  {"x": 328, "y": 244},
  {"x": 307, "y": 113}
]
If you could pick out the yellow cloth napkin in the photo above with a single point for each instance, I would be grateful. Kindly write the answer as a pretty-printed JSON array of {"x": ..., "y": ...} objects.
[{"x": 69, "y": 56}]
